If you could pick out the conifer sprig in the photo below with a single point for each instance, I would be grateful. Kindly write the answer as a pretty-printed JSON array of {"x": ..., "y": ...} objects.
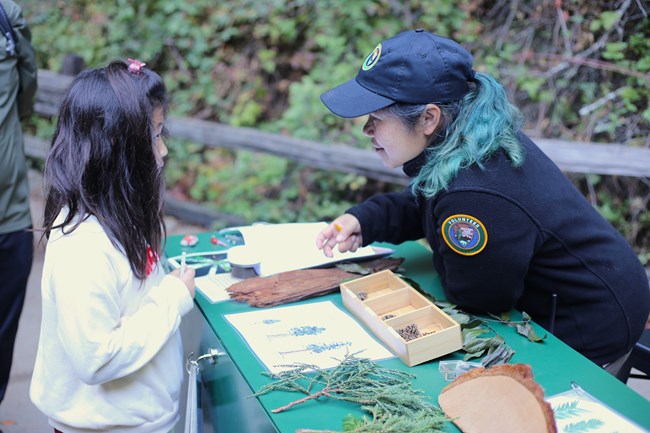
[{"x": 386, "y": 394}]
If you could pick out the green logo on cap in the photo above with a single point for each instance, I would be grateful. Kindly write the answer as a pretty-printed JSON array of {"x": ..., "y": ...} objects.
[{"x": 372, "y": 58}]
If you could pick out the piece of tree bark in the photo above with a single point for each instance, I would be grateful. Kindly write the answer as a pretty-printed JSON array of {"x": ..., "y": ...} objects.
[
  {"x": 504, "y": 398},
  {"x": 293, "y": 286}
]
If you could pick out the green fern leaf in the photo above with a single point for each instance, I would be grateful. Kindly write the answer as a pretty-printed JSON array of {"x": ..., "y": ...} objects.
[
  {"x": 568, "y": 410},
  {"x": 583, "y": 426}
]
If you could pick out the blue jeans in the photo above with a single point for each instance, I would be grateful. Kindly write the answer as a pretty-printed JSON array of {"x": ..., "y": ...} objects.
[{"x": 16, "y": 254}]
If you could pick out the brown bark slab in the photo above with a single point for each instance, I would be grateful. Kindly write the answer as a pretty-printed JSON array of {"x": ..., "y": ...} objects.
[{"x": 292, "y": 286}]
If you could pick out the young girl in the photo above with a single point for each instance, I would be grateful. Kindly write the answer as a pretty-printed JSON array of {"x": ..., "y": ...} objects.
[
  {"x": 507, "y": 228},
  {"x": 110, "y": 353}
]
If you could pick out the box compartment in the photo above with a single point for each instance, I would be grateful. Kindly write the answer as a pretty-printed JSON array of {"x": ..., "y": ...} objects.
[
  {"x": 375, "y": 285},
  {"x": 413, "y": 327},
  {"x": 397, "y": 303}
]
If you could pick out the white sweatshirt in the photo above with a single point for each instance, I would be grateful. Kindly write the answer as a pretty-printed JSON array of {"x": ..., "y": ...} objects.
[{"x": 110, "y": 355}]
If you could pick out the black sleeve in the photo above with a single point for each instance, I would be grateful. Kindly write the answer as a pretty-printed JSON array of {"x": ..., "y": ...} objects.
[
  {"x": 491, "y": 280},
  {"x": 391, "y": 217}
]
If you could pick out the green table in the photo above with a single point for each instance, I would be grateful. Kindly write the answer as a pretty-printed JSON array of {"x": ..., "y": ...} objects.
[{"x": 555, "y": 365}]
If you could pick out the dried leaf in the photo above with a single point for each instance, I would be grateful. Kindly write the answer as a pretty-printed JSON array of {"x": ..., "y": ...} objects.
[
  {"x": 469, "y": 356},
  {"x": 470, "y": 323},
  {"x": 500, "y": 354},
  {"x": 354, "y": 268},
  {"x": 469, "y": 333},
  {"x": 446, "y": 305},
  {"x": 474, "y": 345},
  {"x": 526, "y": 329}
]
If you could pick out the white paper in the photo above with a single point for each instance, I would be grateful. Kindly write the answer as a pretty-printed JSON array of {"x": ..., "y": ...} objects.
[
  {"x": 278, "y": 248},
  {"x": 213, "y": 274},
  {"x": 287, "y": 247},
  {"x": 319, "y": 334},
  {"x": 578, "y": 411},
  {"x": 214, "y": 286}
]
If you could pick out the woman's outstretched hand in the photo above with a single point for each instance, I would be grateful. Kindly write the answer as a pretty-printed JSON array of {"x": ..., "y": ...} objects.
[{"x": 344, "y": 231}]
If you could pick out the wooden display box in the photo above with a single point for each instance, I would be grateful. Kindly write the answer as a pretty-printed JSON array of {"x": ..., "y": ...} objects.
[{"x": 413, "y": 327}]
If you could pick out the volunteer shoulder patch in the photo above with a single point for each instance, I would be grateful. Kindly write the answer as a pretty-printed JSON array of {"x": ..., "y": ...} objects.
[{"x": 464, "y": 234}]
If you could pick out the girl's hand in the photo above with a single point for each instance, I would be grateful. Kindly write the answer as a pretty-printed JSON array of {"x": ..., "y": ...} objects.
[
  {"x": 187, "y": 278},
  {"x": 344, "y": 231}
]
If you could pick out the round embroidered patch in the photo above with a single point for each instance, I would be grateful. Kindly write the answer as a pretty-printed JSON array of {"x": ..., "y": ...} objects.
[
  {"x": 372, "y": 58},
  {"x": 464, "y": 234}
]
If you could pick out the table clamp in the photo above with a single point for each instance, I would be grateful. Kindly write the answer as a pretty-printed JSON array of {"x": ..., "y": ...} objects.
[
  {"x": 193, "y": 422},
  {"x": 212, "y": 356}
]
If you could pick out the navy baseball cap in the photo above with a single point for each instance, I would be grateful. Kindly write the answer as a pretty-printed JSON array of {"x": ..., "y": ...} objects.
[{"x": 414, "y": 67}]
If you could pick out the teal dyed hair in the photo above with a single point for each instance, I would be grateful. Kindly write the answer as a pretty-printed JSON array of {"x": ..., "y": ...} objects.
[{"x": 486, "y": 122}]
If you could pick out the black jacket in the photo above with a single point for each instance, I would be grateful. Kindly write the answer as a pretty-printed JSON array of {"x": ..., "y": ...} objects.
[{"x": 515, "y": 237}]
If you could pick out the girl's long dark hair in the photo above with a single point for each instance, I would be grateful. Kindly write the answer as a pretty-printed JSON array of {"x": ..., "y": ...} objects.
[{"x": 102, "y": 160}]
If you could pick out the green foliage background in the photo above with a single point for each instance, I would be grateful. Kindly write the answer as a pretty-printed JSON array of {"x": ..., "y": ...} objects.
[{"x": 577, "y": 69}]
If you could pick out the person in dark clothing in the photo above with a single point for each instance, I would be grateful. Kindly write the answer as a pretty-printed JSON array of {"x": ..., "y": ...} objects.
[
  {"x": 507, "y": 228},
  {"x": 17, "y": 89}
]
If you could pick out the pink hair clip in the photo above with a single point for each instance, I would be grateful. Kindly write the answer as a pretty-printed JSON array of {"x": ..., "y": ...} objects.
[{"x": 135, "y": 66}]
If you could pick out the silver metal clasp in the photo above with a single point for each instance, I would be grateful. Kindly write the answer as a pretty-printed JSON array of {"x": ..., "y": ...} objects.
[
  {"x": 193, "y": 423},
  {"x": 212, "y": 356}
]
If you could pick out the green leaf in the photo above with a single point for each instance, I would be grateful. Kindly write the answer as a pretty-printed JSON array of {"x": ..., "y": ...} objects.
[
  {"x": 615, "y": 51},
  {"x": 630, "y": 93},
  {"x": 609, "y": 19},
  {"x": 643, "y": 64},
  {"x": 646, "y": 114},
  {"x": 461, "y": 318}
]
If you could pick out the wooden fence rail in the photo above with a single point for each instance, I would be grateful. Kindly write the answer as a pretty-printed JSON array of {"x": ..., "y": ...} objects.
[{"x": 571, "y": 157}]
